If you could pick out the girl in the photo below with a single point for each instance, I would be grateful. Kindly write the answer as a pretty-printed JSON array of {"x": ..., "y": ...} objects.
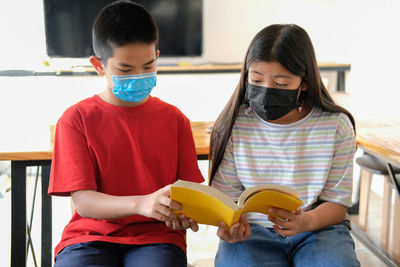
[{"x": 281, "y": 126}]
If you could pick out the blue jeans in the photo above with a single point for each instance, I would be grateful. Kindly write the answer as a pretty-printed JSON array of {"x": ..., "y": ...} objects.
[
  {"x": 330, "y": 246},
  {"x": 98, "y": 253}
]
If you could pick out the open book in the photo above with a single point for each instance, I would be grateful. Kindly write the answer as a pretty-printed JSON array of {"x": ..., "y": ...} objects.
[{"x": 208, "y": 205}]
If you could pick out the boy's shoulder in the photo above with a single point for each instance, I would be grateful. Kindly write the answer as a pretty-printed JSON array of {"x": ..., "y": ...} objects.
[
  {"x": 86, "y": 103},
  {"x": 94, "y": 105},
  {"x": 161, "y": 105},
  {"x": 95, "y": 101},
  {"x": 81, "y": 106},
  {"x": 166, "y": 111}
]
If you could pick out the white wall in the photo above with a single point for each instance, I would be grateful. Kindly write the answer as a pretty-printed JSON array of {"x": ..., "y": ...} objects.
[
  {"x": 361, "y": 32},
  {"x": 28, "y": 105},
  {"x": 229, "y": 25}
]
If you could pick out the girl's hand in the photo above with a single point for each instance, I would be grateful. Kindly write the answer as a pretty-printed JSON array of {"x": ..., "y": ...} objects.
[
  {"x": 182, "y": 223},
  {"x": 296, "y": 221},
  {"x": 239, "y": 231}
]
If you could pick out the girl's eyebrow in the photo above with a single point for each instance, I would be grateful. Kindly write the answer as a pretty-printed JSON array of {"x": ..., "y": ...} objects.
[
  {"x": 273, "y": 76},
  {"x": 282, "y": 76},
  {"x": 254, "y": 71}
]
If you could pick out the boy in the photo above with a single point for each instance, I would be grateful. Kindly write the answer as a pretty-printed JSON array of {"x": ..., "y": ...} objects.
[{"x": 117, "y": 153}]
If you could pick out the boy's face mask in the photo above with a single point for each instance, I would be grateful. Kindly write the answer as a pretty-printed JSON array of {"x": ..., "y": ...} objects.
[
  {"x": 271, "y": 103},
  {"x": 133, "y": 88}
]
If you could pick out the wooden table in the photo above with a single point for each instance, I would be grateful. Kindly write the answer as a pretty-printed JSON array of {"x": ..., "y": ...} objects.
[
  {"x": 201, "y": 134},
  {"x": 22, "y": 159},
  {"x": 19, "y": 162},
  {"x": 379, "y": 135}
]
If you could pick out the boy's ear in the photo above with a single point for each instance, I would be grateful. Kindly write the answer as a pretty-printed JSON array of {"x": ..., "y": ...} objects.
[
  {"x": 97, "y": 64},
  {"x": 157, "y": 53}
]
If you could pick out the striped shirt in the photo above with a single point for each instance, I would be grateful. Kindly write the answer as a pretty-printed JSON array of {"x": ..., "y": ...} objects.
[{"x": 313, "y": 155}]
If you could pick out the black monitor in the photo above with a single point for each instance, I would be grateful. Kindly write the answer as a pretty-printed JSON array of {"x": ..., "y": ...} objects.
[{"x": 68, "y": 25}]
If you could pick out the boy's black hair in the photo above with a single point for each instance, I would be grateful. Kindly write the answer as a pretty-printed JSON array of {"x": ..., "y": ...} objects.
[{"x": 120, "y": 23}]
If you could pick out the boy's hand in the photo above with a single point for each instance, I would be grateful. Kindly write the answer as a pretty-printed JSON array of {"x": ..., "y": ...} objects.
[
  {"x": 239, "y": 231},
  {"x": 182, "y": 223},
  {"x": 157, "y": 205},
  {"x": 296, "y": 221}
]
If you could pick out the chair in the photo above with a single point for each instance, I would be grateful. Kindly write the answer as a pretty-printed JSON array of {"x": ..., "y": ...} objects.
[
  {"x": 5, "y": 182},
  {"x": 371, "y": 165}
]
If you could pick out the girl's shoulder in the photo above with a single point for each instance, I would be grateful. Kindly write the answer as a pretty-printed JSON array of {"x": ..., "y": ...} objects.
[
  {"x": 339, "y": 119},
  {"x": 318, "y": 113}
]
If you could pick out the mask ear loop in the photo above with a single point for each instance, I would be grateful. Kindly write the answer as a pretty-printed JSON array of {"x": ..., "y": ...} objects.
[
  {"x": 104, "y": 67},
  {"x": 301, "y": 101},
  {"x": 106, "y": 71},
  {"x": 249, "y": 108}
]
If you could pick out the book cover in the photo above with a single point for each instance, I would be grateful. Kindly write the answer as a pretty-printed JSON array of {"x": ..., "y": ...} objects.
[{"x": 208, "y": 205}]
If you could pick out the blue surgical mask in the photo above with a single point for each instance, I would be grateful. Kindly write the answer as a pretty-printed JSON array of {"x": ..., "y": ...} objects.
[{"x": 133, "y": 88}]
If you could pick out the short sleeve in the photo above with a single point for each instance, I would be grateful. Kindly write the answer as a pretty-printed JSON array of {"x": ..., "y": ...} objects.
[
  {"x": 338, "y": 187},
  {"x": 188, "y": 168},
  {"x": 225, "y": 178},
  {"x": 72, "y": 166}
]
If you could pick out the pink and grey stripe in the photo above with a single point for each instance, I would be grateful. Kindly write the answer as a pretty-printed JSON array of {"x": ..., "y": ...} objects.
[{"x": 314, "y": 156}]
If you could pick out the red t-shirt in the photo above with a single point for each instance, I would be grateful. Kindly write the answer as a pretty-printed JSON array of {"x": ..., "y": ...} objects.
[{"x": 121, "y": 151}]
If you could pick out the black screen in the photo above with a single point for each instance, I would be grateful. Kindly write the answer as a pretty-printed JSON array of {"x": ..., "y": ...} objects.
[{"x": 69, "y": 26}]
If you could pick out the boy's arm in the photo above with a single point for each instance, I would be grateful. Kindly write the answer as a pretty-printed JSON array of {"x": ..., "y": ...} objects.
[{"x": 97, "y": 205}]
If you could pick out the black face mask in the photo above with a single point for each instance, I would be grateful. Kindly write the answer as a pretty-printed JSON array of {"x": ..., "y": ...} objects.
[{"x": 271, "y": 103}]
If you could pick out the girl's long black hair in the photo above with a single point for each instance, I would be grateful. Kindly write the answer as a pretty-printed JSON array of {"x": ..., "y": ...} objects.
[{"x": 291, "y": 46}]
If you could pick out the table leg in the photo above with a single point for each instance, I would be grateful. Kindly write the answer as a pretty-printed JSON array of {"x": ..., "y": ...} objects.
[
  {"x": 46, "y": 218},
  {"x": 396, "y": 229},
  {"x": 386, "y": 212},
  {"x": 374, "y": 247},
  {"x": 18, "y": 214},
  {"x": 340, "y": 87},
  {"x": 365, "y": 187},
  {"x": 202, "y": 157},
  {"x": 393, "y": 179}
]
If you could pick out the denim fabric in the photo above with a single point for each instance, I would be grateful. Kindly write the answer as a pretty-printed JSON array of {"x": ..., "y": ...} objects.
[
  {"x": 111, "y": 254},
  {"x": 330, "y": 246}
]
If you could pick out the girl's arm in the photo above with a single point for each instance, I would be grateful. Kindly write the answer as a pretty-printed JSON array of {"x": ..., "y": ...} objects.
[
  {"x": 337, "y": 189},
  {"x": 327, "y": 213},
  {"x": 226, "y": 180},
  {"x": 97, "y": 205}
]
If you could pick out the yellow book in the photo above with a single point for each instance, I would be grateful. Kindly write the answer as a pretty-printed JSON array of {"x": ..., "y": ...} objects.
[{"x": 208, "y": 205}]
